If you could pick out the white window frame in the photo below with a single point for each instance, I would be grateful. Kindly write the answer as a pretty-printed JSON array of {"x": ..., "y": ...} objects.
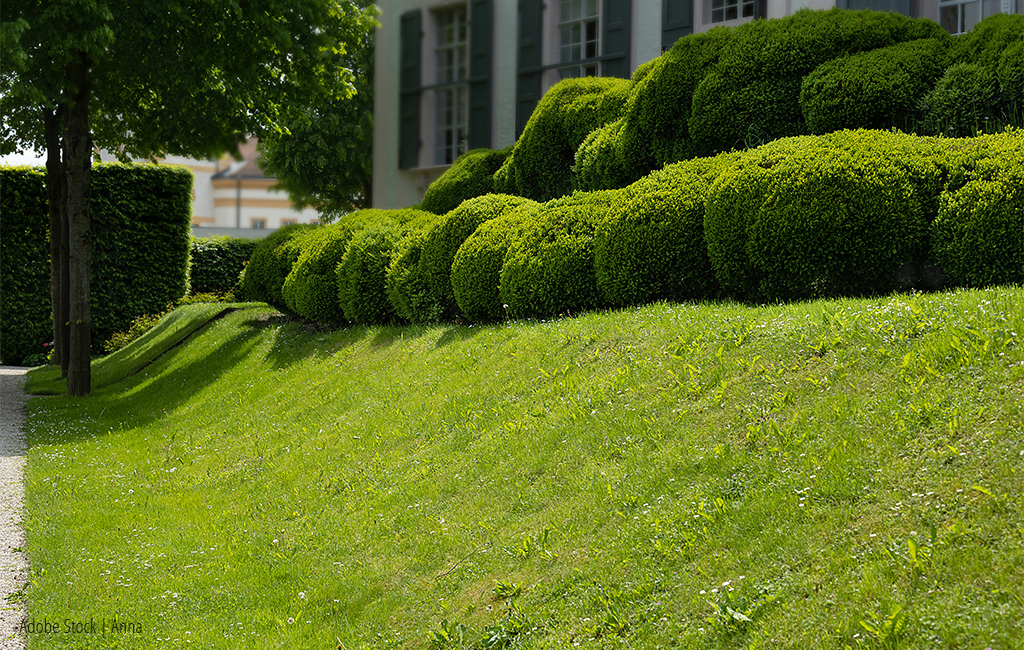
[
  {"x": 575, "y": 19},
  {"x": 724, "y": 11},
  {"x": 451, "y": 100}
]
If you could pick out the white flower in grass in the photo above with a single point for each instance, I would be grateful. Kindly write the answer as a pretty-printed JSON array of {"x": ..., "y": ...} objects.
[{"x": 302, "y": 595}]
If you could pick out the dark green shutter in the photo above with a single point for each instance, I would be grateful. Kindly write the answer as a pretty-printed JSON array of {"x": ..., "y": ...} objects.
[
  {"x": 676, "y": 21},
  {"x": 481, "y": 45},
  {"x": 409, "y": 83},
  {"x": 528, "y": 60},
  {"x": 615, "y": 38}
]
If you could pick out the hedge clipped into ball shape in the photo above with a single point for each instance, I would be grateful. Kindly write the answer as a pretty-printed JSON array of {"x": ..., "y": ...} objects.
[
  {"x": 541, "y": 162},
  {"x": 476, "y": 269},
  {"x": 472, "y": 174},
  {"x": 843, "y": 216},
  {"x": 404, "y": 282},
  {"x": 655, "y": 130},
  {"x": 651, "y": 246},
  {"x": 25, "y": 268},
  {"x": 271, "y": 263},
  {"x": 600, "y": 164},
  {"x": 362, "y": 273},
  {"x": 549, "y": 267},
  {"x": 217, "y": 261},
  {"x": 964, "y": 101},
  {"x": 876, "y": 89},
  {"x": 753, "y": 93},
  {"x": 978, "y": 237}
]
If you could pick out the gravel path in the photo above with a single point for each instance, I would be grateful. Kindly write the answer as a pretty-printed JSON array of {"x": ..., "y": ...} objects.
[{"x": 13, "y": 561}]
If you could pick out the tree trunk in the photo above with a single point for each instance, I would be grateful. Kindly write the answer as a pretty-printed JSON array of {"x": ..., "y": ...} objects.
[
  {"x": 78, "y": 165},
  {"x": 53, "y": 122}
]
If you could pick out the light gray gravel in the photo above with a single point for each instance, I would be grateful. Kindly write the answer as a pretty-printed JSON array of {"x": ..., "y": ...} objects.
[{"x": 13, "y": 561}]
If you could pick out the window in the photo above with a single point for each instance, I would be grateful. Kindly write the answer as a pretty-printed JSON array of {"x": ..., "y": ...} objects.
[
  {"x": 578, "y": 30},
  {"x": 723, "y": 10},
  {"x": 452, "y": 94},
  {"x": 959, "y": 17},
  {"x": 258, "y": 223},
  {"x": 289, "y": 222}
]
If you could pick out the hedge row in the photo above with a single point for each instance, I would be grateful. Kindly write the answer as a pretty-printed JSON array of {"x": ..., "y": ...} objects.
[
  {"x": 851, "y": 213},
  {"x": 141, "y": 221},
  {"x": 216, "y": 262}
]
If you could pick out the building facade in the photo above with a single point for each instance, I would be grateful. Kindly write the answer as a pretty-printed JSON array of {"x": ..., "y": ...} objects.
[{"x": 458, "y": 75}]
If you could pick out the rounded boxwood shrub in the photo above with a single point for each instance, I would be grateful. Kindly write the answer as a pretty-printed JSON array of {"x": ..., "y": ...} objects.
[
  {"x": 540, "y": 165},
  {"x": 271, "y": 262},
  {"x": 752, "y": 95},
  {"x": 404, "y": 281},
  {"x": 978, "y": 236},
  {"x": 217, "y": 261},
  {"x": 964, "y": 101},
  {"x": 843, "y": 214},
  {"x": 472, "y": 174},
  {"x": 362, "y": 273},
  {"x": 600, "y": 164},
  {"x": 476, "y": 268},
  {"x": 650, "y": 246},
  {"x": 876, "y": 89},
  {"x": 311, "y": 288},
  {"x": 549, "y": 266}
]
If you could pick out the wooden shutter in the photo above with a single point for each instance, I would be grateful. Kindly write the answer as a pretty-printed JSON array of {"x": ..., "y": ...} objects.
[
  {"x": 409, "y": 84},
  {"x": 615, "y": 38},
  {"x": 481, "y": 47},
  {"x": 676, "y": 21},
  {"x": 528, "y": 60}
]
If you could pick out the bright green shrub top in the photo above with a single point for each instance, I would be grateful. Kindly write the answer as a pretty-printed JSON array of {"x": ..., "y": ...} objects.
[
  {"x": 876, "y": 89},
  {"x": 472, "y": 174},
  {"x": 540, "y": 165},
  {"x": 978, "y": 237},
  {"x": 476, "y": 268},
  {"x": 217, "y": 261},
  {"x": 311, "y": 287},
  {"x": 362, "y": 273},
  {"x": 752, "y": 95},
  {"x": 842, "y": 214},
  {"x": 549, "y": 266},
  {"x": 271, "y": 263},
  {"x": 650, "y": 245},
  {"x": 600, "y": 164}
]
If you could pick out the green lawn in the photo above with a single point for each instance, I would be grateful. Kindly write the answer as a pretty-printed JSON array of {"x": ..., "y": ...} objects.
[{"x": 818, "y": 475}]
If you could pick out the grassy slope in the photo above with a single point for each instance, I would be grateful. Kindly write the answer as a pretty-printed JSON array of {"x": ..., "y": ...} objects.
[{"x": 816, "y": 468}]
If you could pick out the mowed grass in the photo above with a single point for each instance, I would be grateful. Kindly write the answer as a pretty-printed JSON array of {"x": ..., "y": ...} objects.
[{"x": 819, "y": 475}]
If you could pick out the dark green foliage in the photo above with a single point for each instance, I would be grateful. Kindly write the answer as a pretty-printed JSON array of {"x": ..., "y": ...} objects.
[
  {"x": 540, "y": 165},
  {"x": 362, "y": 273},
  {"x": 472, "y": 174},
  {"x": 656, "y": 117},
  {"x": 752, "y": 96},
  {"x": 600, "y": 164},
  {"x": 141, "y": 220},
  {"x": 271, "y": 263},
  {"x": 549, "y": 266},
  {"x": 24, "y": 264},
  {"x": 843, "y": 214},
  {"x": 650, "y": 246},
  {"x": 978, "y": 237},
  {"x": 311, "y": 289},
  {"x": 217, "y": 261},
  {"x": 964, "y": 101},
  {"x": 876, "y": 89},
  {"x": 419, "y": 280},
  {"x": 476, "y": 269}
]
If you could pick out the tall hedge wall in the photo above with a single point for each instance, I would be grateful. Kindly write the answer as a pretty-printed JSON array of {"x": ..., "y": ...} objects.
[
  {"x": 217, "y": 262},
  {"x": 141, "y": 222}
]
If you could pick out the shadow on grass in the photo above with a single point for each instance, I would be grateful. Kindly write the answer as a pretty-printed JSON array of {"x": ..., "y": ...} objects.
[{"x": 459, "y": 333}]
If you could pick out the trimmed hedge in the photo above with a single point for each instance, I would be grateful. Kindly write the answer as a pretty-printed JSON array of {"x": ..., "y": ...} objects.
[
  {"x": 141, "y": 220},
  {"x": 472, "y": 174},
  {"x": 217, "y": 262},
  {"x": 873, "y": 90},
  {"x": 809, "y": 217},
  {"x": 540, "y": 165},
  {"x": 752, "y": 95},
  {"x": 978, "y": 237},
  {"x": 25, "y": 323},
  {"x": 964, "y": 101},
  {"x": 419, "y": 280},
  {"x": 362, "y": 272},
  {"x": 271, "y": 263},
  {"x": 650, "y": 246},
  {"x": 311, "y": 289},
  {"x": 600, "y": 164},
  {"x": 549, "y": 266},
  {"x": 476, "y": 269}
]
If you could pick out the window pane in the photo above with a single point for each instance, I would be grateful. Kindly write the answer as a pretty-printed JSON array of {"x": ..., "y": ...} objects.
[
  {"x": 591, "y": 8},
  {"x": 730, "y": 12},
  {"x": 948, "y": 18},
  {"x": 971, "y": 15}
]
